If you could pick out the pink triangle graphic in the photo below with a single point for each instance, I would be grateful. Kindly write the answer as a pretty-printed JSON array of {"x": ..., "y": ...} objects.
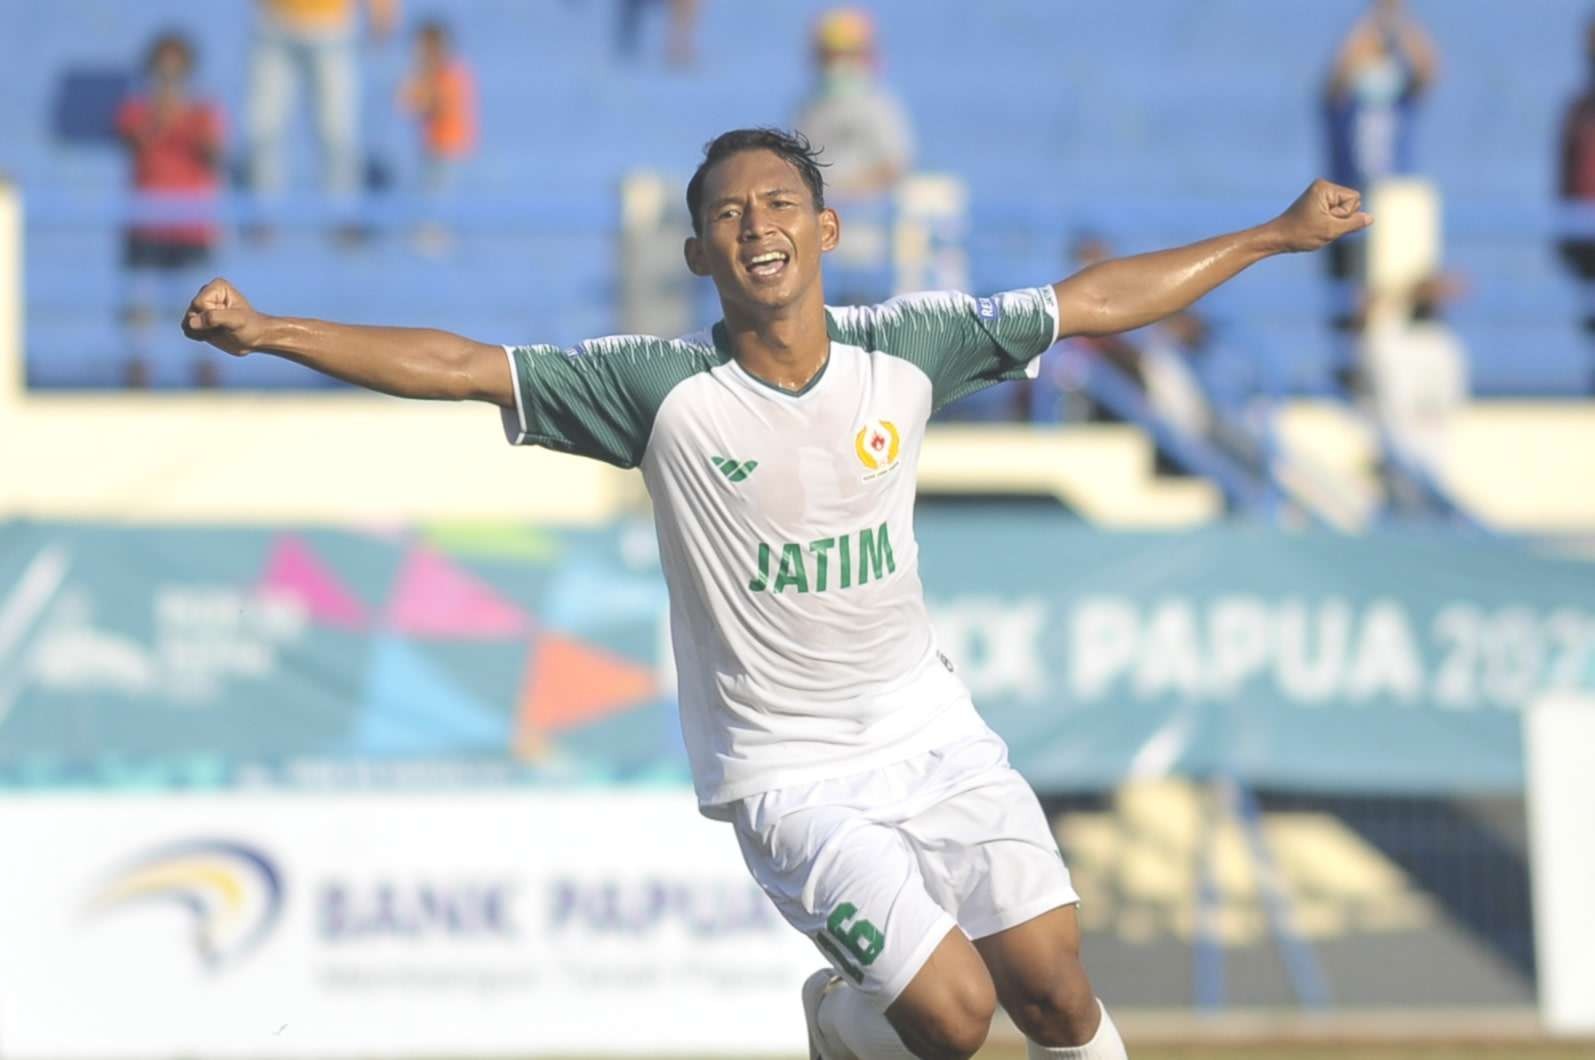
[
  {"x": 295, "y": 570},
  {"x": 435, "y": 598}
]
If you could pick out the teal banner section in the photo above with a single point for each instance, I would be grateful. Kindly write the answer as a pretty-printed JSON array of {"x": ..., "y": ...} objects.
[{"x": 444, "y": 655}]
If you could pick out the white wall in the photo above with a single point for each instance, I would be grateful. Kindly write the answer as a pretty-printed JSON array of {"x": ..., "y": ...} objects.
[{"x": 1559, "y": 742}]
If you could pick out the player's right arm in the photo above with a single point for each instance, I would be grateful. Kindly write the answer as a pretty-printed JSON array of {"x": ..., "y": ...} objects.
[{"x": 406, "y": 362}]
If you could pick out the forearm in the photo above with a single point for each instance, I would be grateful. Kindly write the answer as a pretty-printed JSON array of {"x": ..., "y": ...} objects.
[
  {"x": 406, "y": 362},
  {"x": 1420, "y": 54},
  {"x": 1129, "y": 293}
]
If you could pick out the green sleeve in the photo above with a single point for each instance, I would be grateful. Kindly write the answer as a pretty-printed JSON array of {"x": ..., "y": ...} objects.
[
  {"x": 961, "y": 342},
  {"x": 599, "y": 398}
]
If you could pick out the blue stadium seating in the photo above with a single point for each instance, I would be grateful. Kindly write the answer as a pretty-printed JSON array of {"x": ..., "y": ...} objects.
[{"x": 1057, "y": 116}]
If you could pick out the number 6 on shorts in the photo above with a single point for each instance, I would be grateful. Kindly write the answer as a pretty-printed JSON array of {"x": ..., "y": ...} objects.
[{"x": 861, "y": 938}]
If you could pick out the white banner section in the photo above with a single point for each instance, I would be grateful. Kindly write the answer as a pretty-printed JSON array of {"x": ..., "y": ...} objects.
[
  {"x": 1559, "y": 741},
  {"x": 398, "y": 925}
]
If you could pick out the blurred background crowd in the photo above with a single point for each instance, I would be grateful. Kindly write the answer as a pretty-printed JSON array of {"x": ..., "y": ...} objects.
[{"x": 480, "y": 155}]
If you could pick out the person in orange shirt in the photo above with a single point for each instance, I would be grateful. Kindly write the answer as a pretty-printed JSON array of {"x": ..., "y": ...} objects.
[
  {"x": 309, "y": 41},
  {"x": 441, "y": 93}
]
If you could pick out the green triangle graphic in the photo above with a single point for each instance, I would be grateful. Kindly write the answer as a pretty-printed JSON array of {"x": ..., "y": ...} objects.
[{"x": 495, "y": 541}]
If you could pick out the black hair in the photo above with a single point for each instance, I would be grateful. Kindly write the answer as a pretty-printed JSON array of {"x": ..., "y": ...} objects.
[
  {"x": 437, "y": 29},
  {"x": 171, "y": 39},
  {"x": 792, "y": 146}
]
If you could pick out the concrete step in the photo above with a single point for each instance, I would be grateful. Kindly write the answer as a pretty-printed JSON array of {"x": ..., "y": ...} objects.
[{"x": 1104, "y": 472}]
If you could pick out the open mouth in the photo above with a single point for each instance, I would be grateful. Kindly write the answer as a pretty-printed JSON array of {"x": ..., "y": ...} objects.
[{"x": 769, "y": 264}]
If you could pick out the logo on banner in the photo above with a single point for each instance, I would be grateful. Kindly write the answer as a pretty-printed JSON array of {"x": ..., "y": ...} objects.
[
  {"x": 233, "y": 894},
  {"x": 202, "y": 640},
  {"x": 348, "y": 910},
  {"x": 642, "y": 905},
  {"x": 878, "y": 444}
]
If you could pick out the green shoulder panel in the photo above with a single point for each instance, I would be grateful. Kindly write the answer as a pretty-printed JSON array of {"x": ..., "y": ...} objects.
[
  {"x": 599, "y": 398},
  {"x": 963, "y": 343}
]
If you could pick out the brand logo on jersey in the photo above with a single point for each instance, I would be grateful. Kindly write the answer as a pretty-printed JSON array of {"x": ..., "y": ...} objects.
[
  {"x": 731, "y": 469},
  {"x": 878, "y": 444},
  {"x": 988, "y": 308}
]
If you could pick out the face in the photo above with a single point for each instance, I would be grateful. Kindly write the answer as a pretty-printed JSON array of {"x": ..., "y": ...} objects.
[
  {"x": 762, "y": 236},
  {"x": 430, "y": 49},
  {"x": 841, "y": 59},
  {"x": 169, "y": 65}
]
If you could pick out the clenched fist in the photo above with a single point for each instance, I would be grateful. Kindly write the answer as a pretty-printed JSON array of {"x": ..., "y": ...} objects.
[
  {"x": 1322, "y": 214},
  {"x": 223, "y": 317}
]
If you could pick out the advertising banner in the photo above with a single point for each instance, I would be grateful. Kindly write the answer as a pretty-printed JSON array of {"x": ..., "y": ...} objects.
[
  {"x": 459, "y": 655},
  {"x": 393, "y": 924}
]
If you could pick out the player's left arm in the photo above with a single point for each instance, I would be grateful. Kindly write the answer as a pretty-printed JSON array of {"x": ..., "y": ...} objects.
[{"x": 1129, "y": 293}]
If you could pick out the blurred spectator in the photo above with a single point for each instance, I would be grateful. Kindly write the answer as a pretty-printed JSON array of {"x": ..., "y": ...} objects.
[
  {"x": 863, "y": 131},
  {"x": 1208, "y": 393},
  {"x": 866, "y": 145},
  {"x": 1057, "y": 395},
  {"x": 1577, "y": 164},
  {"x": 1172, "y": 389},
  {"x": 174, "y": 146},
  {"x": 1187, "y": 379},
  {"x": 441, "y": 94},
  {"x": 679, "y": 47},
  {"x": 1384, "y": 67},
  {"x": 1415, "y": 374},
  {"x": 309, "y": 41}
]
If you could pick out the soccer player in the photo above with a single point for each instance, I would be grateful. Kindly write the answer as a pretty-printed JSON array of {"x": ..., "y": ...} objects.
[{"x": 871, "y": 802}]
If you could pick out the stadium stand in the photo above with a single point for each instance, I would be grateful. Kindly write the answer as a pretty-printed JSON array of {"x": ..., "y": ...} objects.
[{"x": 1085, "y": 137}]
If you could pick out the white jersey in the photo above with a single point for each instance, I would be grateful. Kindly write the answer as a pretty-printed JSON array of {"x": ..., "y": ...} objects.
[{"x": 803, "y": 647}]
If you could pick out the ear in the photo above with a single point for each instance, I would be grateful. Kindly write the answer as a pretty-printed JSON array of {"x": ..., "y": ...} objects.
[
  {"x": 697, "y": 262},
  {"x": 830, "y": 229}
]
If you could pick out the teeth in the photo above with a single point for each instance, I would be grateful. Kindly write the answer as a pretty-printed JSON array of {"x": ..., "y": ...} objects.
[{"x": 764, "y": 259}]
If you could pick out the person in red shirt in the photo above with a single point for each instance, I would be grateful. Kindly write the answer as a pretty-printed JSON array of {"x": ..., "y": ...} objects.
[{"x": 174, "y": 145}]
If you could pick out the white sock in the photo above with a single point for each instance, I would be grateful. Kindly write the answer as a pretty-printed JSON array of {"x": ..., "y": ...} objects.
[
  {"x": 848, "y": 1019},
  {"x": 1104, "y": 1045}
]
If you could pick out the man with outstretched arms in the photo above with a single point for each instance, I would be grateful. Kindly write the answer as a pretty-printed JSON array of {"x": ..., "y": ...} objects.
[{"x": 870, "y": 800}]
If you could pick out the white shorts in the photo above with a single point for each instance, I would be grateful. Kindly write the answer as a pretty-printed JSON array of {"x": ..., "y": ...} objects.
[{"x": 877, "y": 867}]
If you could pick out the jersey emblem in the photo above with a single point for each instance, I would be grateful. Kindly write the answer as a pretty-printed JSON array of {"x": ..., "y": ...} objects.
[
  {"x": 988, "y": 309},
  {"x": 733, "y": 470},
  {"x": 878, "y": 444}
]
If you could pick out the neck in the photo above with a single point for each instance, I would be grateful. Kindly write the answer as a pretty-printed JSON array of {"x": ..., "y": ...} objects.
[{"x": 787, "y": 349}]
